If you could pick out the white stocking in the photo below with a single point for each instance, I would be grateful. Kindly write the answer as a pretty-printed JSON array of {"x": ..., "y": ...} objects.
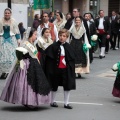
[
  {"x": 66, "y": 97},
  {"x": 102, "y": 51}
]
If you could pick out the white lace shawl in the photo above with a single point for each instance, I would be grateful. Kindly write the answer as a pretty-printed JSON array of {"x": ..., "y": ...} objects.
[
  {"x": 77, "y": 34},
  {"x": 13, "y": 26},
  {"x": 61, "y": 26},
  {"x": 43, "y": 43}
]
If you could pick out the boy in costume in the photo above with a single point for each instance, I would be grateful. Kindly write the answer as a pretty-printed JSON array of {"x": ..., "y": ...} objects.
[{"x": 60, "y": 67}]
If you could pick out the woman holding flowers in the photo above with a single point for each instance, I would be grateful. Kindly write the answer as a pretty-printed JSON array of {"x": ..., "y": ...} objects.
[
  {"x": 27, "y": 84},
  {"x": 80, "y": 44}
]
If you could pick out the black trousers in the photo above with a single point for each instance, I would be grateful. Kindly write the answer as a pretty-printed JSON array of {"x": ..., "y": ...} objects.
[
  {"x": 113, "y": 40},
  {"x": 102, "y": 40},
  {"x": 118, "y": 39},
  {"x": 61, "y": 79},
  {"x": 107, "y": 45}
]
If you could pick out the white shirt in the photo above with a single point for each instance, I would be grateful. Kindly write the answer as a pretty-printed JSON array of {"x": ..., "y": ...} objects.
[
  {"x": 62, "y": 54},
  {"x": 113, "y": 17},
  {"x": 46, "y": 25},
  {"x": 88, "y": 23},
  {"x": 101, "y": 26}
]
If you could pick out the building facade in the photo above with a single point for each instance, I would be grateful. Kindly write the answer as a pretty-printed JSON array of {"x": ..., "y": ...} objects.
[
  {"x": 22, "y": 11},
  {"x": 92, "y": 6},
  {"x": 19, "y": 10}
]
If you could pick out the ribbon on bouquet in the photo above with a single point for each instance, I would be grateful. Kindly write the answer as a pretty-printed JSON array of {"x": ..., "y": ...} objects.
[{"x": 85, "y": 48}]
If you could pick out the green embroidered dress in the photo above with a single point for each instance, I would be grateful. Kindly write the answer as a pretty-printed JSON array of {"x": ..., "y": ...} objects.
[{"x": 9, "y": 34}]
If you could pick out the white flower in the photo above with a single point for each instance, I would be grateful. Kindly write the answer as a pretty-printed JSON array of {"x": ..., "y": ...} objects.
[
  {"x": 94, "y": 37},
  {"x": 88, "y": 45},
  {"x": 23, "y": 50},
  {"x": 115, "y": 68},
  {"x": 22, "y": 64}
]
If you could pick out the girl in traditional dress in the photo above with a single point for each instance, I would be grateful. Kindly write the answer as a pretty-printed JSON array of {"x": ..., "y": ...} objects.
[
  {"x": 80, "y": 44},
  {"x": 42, "y": 43},
  {"x": 9, "y": 40},
  {"x": 27, "y": 84},
  {"x": 59, "y": 22}
]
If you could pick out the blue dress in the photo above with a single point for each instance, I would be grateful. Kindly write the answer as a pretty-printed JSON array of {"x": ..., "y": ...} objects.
[{"x": 8, "y": 43}]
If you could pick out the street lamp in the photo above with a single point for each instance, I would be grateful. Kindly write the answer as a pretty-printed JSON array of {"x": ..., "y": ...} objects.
[
  {"x": 95, "y": 2},
  {"x": 31, "y": 2},
  {"x": 91, "y": 3},
  {"x": 30, "y": 13}
]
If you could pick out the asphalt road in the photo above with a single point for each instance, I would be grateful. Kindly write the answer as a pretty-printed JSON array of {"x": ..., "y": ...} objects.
[{"x": 92, "y": 100}]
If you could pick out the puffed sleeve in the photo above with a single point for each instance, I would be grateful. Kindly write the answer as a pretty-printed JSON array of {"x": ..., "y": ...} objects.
[
  {"x": 1, "y": 27},
  {"x": 20, "y": 52},
  {"x": 16, "y": 29}
]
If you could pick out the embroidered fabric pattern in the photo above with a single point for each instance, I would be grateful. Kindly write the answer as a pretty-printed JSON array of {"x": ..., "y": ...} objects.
[{"x": 36, "y": 78}]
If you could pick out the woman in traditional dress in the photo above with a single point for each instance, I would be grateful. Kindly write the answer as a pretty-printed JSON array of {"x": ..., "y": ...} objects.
[
  {"x": 116, "y": 86},
  {"x": 59, "y": 21},
  {"x": 9, "y": 40},
  {"x": 80, "y": 44},
  {"x": 42, "y": 43},
  {"x": 27, "y": 84}
]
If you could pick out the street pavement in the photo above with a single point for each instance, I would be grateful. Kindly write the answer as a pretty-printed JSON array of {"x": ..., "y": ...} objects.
[{"x": 92, "y": 100}]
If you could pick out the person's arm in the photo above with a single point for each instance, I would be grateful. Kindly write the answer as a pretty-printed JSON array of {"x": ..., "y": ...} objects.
[
  {"x": 39, "y": 30},
  {"x": 87, "y": 29},
  {"x": 56, "y": 33},
  {"x": 68, "y": 24},
  {"x": 109, "y": 27},
  {"x": 94, "y": 28},
  {"x": 16, "y": 32}
]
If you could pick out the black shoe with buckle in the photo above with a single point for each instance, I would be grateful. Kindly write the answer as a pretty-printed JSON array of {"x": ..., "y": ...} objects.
[
  {"x": 68, "y": 106},
  {"x": 54, "y": 104}
]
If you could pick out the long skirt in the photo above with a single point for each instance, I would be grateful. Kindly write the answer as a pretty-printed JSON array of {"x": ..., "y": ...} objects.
[
  {"x": 116, "y": 87},
  {"x": 7, "y": 53},
  {"x": 27, "y": 86},
  {"x": 82, "y": 59}
]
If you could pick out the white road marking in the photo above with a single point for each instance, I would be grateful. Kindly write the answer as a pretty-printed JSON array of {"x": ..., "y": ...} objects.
[{"x": 81, "y": 103}]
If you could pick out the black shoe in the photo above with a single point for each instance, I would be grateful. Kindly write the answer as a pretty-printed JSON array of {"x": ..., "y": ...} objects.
[
  {"x": 54, "y": 104},
  {"x": 111, "y": 47},
  {"x": 5, "y": 76},
  {"x": 68, "y": 106},
  {"x": 100, "y": 57},
  {"x": 2, "y": 76},
  {"x": 106, "y": 52},
  {"x": 78, "y": 75},
  {"x": 114, "y": 49}
]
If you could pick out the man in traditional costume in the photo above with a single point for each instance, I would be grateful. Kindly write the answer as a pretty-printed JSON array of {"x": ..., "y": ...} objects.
[{"x": 47, "y": 24}]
